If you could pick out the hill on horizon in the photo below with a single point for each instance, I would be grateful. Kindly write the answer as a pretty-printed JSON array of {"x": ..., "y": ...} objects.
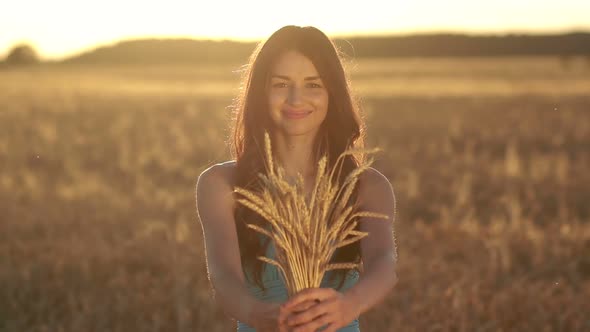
[{"x": 191, "y": 51}]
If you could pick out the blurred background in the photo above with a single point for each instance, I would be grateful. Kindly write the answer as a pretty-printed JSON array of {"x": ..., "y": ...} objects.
[{"x": 109, "y": 111}]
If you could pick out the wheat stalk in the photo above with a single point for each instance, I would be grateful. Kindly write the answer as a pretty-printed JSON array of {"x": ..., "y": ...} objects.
[{"x": 306, "y": 235}]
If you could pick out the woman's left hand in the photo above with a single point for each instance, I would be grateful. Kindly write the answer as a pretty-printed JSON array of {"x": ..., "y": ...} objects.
[{"x": 332, "y": 308}]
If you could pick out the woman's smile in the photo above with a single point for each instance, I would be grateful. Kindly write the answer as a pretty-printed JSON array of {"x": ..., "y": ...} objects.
[{"x": 291, "y": 113}]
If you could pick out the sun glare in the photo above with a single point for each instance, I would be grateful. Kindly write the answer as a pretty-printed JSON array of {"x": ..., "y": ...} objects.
[{"x": 64, "y": 27}]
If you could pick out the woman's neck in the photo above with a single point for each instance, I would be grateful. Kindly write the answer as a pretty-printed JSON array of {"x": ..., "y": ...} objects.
[{"x": 295, "y": 154}]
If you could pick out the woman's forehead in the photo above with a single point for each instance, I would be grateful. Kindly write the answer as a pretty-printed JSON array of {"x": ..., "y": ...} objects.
[{"x": 293, "y": 64}]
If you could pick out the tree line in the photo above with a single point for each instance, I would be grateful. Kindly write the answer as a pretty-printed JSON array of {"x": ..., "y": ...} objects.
[{"x": 190, "y": 51}]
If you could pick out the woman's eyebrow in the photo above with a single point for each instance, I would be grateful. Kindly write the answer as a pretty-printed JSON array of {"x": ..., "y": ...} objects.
[{"x": 284, "y": 77}]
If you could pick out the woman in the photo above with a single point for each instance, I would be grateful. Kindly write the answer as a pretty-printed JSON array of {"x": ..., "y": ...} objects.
[{"x": 296, "y": 89}]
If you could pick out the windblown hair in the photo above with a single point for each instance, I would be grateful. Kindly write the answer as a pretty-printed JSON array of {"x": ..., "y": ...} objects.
[{"x": 343, "y": 128}]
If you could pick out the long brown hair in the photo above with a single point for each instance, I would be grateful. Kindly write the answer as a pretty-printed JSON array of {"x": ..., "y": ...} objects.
[{"x": 342, "y": 128}]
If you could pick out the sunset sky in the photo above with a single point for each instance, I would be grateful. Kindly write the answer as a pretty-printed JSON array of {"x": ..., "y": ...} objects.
[{"x": 60, "y": 28}]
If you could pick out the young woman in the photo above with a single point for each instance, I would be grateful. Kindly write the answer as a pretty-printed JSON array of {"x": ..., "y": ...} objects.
[{"x": 296, "y": 89}]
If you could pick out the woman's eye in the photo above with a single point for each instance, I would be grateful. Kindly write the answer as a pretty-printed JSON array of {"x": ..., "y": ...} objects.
[
  {"x": 279, "y": 85},
  {"x": 314, "y": 85}
]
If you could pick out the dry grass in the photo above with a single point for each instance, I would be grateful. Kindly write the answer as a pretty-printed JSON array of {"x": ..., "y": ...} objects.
[
  {"x": 307, "y": 233},
  {"x": 98, "y": 228}
]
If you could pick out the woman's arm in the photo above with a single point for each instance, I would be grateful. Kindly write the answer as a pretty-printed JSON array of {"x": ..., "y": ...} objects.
[
  {"x": 232, "y": 296},
  {"x": 214, "y": 196},
  {"x": 378, "y": 249},
  {"x": 374, "y": 285}
]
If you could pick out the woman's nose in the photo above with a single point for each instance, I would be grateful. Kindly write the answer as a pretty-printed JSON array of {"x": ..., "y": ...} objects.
[{"x": 295, "y": 96}]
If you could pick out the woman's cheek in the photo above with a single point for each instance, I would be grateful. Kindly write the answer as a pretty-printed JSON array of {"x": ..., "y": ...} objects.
[
  {"x": 319, "y": 96},
  {"x": 276, "y": 99}
]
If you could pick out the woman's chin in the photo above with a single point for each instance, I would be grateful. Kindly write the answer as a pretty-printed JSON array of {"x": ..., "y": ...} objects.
[{"x": 295, "y": 130}]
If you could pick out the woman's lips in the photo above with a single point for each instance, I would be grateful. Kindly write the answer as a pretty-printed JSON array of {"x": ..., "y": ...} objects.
[{"x": 295, "y": 114}]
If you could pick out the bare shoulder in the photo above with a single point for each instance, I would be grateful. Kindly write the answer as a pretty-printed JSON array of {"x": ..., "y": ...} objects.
[
  {"x": 373, "y": 180},
  {"x": 374, "y": 186},
  {"x": 223, "y": 172},
  {"x": 373, "y": 177},
  {"x": 217, "y": 182}
]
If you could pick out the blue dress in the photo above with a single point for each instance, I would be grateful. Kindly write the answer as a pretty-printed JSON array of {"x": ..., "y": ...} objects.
[{"x": 277, "y": 292}]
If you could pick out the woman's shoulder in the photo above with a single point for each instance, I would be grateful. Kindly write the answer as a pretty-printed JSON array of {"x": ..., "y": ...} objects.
[
  {"x": 224, "y": 171},
  {"x": 372, "y": 184},
  {"x": 226, "y": 166},
  {"x": 372, "y": 176}
]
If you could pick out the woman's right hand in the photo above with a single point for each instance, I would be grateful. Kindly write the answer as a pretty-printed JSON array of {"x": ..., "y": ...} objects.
[{"x": 270, "y": 318}]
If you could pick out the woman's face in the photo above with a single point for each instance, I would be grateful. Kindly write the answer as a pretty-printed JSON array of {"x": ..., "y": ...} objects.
[{"x": 297, "y": 97}]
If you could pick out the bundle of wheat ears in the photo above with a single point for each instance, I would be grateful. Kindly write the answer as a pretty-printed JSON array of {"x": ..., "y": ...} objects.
[{"x": 306, "y": 235}]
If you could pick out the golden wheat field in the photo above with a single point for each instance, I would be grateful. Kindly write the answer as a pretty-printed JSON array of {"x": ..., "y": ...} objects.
[{"x": 489, "y": 159}]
